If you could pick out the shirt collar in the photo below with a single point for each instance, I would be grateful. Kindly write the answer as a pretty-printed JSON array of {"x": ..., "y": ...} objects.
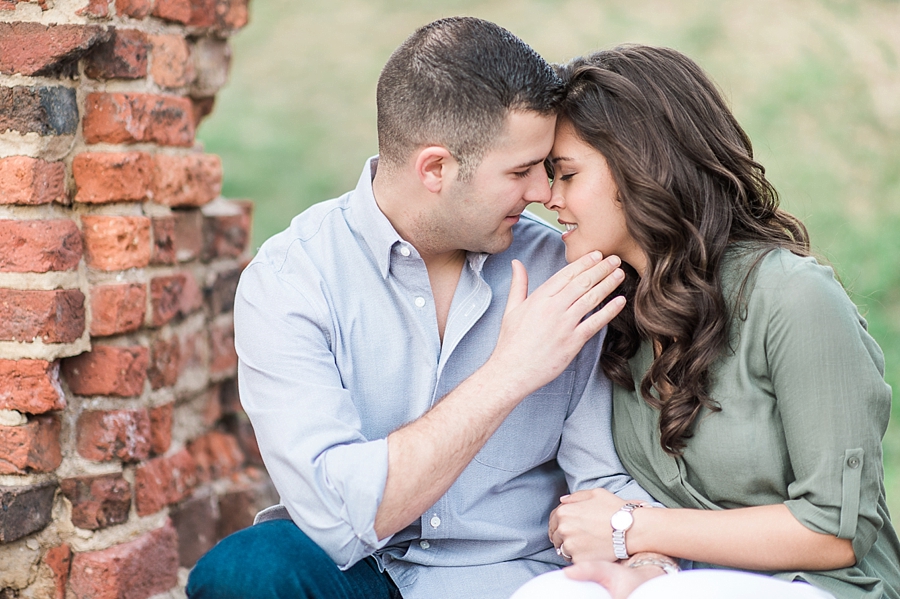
[{"x": 370, "y": 223}]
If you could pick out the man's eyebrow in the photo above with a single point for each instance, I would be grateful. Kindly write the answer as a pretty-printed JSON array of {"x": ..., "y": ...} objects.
[
  {"x": 555, "y": 159},
  {"x": 528, "y": 164}
]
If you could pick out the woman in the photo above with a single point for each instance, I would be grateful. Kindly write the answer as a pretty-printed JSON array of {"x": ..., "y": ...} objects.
[{"x": 746, "y": 388}]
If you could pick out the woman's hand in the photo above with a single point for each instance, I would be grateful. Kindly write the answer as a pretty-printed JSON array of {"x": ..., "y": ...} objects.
[
  {"x": 542, "y": 333},
  {"x": 581, "y": 525},
  {"x": 618, "y": 579}
]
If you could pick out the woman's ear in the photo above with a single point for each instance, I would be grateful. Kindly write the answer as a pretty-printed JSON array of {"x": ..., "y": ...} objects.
[{"x": 435, "y": 166}]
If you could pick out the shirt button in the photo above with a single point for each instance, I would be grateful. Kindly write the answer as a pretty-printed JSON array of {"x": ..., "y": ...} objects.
[
  {"x": 424, "y": 544},
  {"x": 420, "y": 302},
  {"x": 404, "y": 250},
  {"x": 853, "y": 462},
  {"x": 435, "y": 522}
]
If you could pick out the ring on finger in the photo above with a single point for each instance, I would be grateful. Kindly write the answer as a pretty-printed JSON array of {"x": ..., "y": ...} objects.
[{"x": 562, "y": 552}]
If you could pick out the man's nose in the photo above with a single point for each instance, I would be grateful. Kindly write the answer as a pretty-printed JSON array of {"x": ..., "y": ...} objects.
[{"x": 539, "y": 190}]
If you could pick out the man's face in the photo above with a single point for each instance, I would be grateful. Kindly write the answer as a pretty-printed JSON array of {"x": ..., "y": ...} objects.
[{"x": 482, "y": 211}]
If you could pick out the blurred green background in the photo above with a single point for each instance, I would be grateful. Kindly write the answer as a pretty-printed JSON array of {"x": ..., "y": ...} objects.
[{"x": 815, "y": 82}]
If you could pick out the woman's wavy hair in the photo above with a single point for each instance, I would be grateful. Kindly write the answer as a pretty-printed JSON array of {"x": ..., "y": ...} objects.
[{"x": 689, "y": 187}]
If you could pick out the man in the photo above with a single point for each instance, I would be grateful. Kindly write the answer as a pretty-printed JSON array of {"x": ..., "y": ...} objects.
[{"x": 411, "y": 457}]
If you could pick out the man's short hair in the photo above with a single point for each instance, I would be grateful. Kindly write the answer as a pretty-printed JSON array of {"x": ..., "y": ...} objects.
[{"x": 452, "y": 83}]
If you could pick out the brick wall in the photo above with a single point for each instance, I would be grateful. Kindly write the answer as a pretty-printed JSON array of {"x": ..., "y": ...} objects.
[{"x": 124, "y": 454}]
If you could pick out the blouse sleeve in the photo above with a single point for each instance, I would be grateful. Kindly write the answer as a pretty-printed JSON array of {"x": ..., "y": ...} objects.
[{"x": 828, "y": 377}]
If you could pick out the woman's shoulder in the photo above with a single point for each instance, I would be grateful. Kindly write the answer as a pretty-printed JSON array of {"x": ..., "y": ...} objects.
[{"x": 777, "y": 271}]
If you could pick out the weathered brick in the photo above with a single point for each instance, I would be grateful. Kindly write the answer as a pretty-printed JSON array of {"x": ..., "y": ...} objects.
[
  {"x": 232, "y": 14},
  {"x": 135, "y": 570},
  {"x": 194, "y": 350},
  {"x": 212, "y": 60},
  {"x": 33, "y": 447},
  {"x": 195, "y": 520},
  {"x": 30, "y": 386},
  {"x": 39, "y": 245},
  {"x": 136, "y": 9},
  {"x": 165, "y": 298},
  {"x": 163, "y": 250},
  {"x": 222, "y": 356},
  {"x": 107, "y": 435},
  {"x": 98, "y": 9},
  {"x": 163, "y": 481},
  {"x": 171, "y": 64},
  {"x": 123, "y": 56},
  {"x": 59, "y": 560},
  {"x": 186, "y": 181},
  {"x": 117, "y": 308},
  {"x": 226, "y": 229},
  {"x": 237, "y": 508},
  {"x": 212, "y": 408},
  {"x": 25, "y": 510},
  {"x": 220, "y": 296},
  {"x": 116, "y": 242},
  {"x": 52, "y": 316},
  {"x": 131, "y": 118},
  {"x": 31, "y": 181},
  {"x": 173, "y": 10},
  {"x": 107, "y": 370},
  {"x": 165, "y": 362},
  {"x": 112, "y": 176},
  {"x": 229, "y": 397},
  {"x": 192, "y": 296},
  {"x": 41, "y": 110},
  {"x": 238, "y": 425},
  {"x": 98, "y": 501},
  {"x": 188, "y": 234},
  {"x": 203, "y": 107},
  {"x": 35, "y": 49},
  {"x": 161, "y": 428},
  {"x": 217, "y": 455}
]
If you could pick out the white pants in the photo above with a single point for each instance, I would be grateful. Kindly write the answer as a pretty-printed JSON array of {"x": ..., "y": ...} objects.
[{"x": 693, "y": 584}]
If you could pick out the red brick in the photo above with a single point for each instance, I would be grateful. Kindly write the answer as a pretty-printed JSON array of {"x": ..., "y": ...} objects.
[
  {"x": 222, "y": 356},
  {"x": 124, "y": 56},
  {"x": 136, "y": 9},
  {"x": 132, "y": 118},
  {"x": 112, "y": 176},
  {"x": 31, "y": 181},
  {"x": 163, "y": 481},
  {"x": 34, "y": 49},
  {"x": 122, "y": 434},
  {"x": 135, "y": 570},
  {"x": 39, "y": 245},
  {"x": 186, "y": 181},
  {"x": 194, "y": 350},
  {"x": 212, "y": 407},
  {"x": 173, "y": 10},
  {"x": 45, "y": 110},
  {"x": 98, "y": 9},
  {"x": 165, "y": 298},
  {"x": 107, "y": 370},
  {"x": 226, "y": 229},
  {"x": 33, "y": 447},
  {"x": 220, "y": 296},
  {"x": 188, "y": 234},
  {"x": 30, "y": 386},
  {"x": 98, "y": 501},
  {"x": 237, "y": 509},
  {"x": 171, "y": 64},
  {"x": 212, "y": 61},
  {"x": 192, "y": 296},
  {"x": 238, "y": 424},
  {"x": 217, "y": 455},
  {"x": 229, "y": 397},
  {"x": 59, "y": 559},
  {"x": 26, "y": 509},
  {"x": 161, "y": 428},
  {"x": 116, "y": 242},
  {"x": 52, "y": 316},
  {"x": 203, "y": 107},
  {"x": 165, "y": 362},
  {"x": 163, "y": 250},
  {"x": 233, "y": 14},
  {"x": 195, "y": 521},
  {"x": 117, "y": 308}
]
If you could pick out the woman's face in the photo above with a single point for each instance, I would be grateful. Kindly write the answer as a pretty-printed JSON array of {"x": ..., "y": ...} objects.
[{"x": 585, "y": 197}]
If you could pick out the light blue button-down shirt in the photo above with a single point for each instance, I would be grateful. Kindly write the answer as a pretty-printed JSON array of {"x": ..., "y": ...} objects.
[{"x": 338, "y": 342}]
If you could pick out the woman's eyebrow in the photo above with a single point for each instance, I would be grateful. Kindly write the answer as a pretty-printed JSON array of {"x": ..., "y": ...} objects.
[{"x": 554, "y": 160}]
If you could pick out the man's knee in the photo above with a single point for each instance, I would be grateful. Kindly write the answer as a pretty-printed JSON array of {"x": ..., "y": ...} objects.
[{"x": 272, "y": 559}]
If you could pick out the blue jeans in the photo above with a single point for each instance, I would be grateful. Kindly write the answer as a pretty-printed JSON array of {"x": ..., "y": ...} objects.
[{"x": 275, "y": 559}]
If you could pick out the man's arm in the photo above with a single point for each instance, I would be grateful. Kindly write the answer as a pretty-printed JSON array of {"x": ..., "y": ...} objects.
[{"x": 539, "y": 337}]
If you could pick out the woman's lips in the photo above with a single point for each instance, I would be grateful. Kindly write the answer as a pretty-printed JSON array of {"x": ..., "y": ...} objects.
[{"x": 569, "y": 229}]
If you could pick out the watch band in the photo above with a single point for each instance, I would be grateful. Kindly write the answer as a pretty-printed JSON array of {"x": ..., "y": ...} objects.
[
  {"x": 621, "y": 521},
  {"x": 668, "y": 566}
]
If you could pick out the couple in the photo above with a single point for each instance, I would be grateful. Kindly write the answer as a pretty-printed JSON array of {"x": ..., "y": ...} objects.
[{"x": 422, "y": 405}]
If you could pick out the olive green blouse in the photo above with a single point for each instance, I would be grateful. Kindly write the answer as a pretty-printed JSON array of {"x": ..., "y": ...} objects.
[{"x": 804, "y": 409}]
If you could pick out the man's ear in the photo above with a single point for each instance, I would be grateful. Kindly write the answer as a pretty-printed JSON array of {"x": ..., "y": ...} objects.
[{"x": 435, "y": 166}]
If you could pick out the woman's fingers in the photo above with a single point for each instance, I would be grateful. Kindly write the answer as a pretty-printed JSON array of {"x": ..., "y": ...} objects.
[{"x": 567, "y": 274}]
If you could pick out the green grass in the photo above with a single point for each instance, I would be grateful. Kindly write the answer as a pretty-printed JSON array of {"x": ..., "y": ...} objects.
[{"x": 814, "y": 82}]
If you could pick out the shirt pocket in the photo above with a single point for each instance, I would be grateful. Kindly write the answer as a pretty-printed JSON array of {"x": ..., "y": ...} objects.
[{"x": 531, "y": 433}]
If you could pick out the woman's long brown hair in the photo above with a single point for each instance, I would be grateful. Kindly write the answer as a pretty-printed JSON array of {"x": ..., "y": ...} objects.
[{"x": 689, "y": 187}]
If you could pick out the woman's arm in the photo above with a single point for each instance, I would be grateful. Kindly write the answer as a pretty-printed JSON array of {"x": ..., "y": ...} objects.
[{"x": 754, "y": 538}]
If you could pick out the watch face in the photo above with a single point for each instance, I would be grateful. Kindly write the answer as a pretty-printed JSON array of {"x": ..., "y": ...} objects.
[{"x": 621, "y": 520}]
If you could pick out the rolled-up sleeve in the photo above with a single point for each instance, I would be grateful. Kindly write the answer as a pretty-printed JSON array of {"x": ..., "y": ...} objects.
[
  {"x": 329, "y": 476},
  {"x": 828, "y": 377}
]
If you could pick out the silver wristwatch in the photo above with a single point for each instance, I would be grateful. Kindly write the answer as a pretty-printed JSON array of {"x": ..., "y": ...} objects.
[{"x": 621, "y": 521}]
